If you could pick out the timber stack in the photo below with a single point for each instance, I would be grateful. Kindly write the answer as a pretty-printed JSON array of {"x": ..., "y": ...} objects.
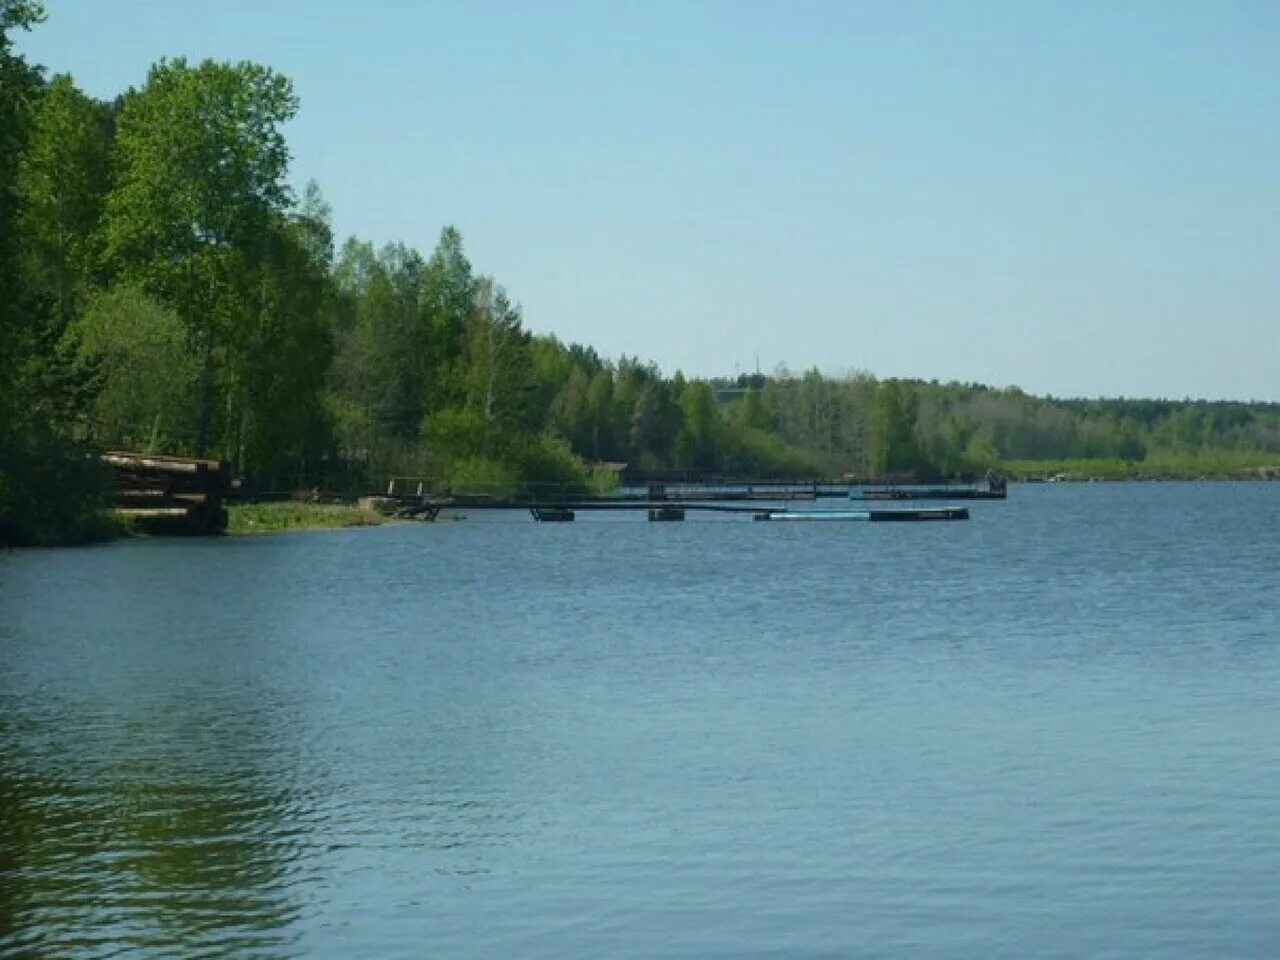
[{"x": 178, "y": 495}]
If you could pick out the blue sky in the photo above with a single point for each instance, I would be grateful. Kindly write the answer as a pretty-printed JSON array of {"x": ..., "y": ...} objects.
[{"x": 1078, "y": 198}]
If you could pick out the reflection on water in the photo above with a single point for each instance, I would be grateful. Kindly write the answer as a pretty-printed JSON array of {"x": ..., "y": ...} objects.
[
  {"x": 1049, "y": 732},
  {"x": 104, "y": 853}
]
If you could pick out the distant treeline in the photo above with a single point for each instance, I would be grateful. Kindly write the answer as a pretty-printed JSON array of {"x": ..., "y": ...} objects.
[{"x": 162, "y": 289}]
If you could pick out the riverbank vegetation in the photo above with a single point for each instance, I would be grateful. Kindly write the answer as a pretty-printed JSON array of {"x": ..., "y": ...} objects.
[
  {"x": 163, "y": 289},
  {"x": 1202, "y": 465},
  {"x": 294, "y": 515}
]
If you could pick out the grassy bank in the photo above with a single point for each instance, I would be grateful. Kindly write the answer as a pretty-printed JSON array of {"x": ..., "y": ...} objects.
[
  {"x": 1215, "y": 465},
  {"x": 290, "y": 515}
]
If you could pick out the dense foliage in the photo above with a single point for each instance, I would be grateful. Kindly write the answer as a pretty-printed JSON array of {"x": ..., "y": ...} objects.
[{"x": 163, "y": 289}]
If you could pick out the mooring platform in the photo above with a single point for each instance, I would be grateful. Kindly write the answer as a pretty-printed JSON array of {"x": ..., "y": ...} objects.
[
  {"x": 925, "y": 513},
  {"x": 658, "y": 511}
]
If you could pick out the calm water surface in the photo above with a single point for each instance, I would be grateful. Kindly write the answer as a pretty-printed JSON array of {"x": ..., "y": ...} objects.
[{"x": 1052, "y": 731}]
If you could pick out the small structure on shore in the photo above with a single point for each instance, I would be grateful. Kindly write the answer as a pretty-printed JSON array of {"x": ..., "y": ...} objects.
[{"x": 170, "y": 495}]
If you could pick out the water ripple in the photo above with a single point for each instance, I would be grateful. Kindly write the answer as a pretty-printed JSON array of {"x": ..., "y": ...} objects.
[{"x": 1050, "y": 732}]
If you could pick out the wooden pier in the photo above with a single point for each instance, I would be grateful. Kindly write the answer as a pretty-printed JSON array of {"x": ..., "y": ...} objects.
[
  {"x": 907, "y": 514},
  {"x": 554, "y": 503},
  {"x": 708, "y": 491},
  {"x": 994, "y": 488},
  {"x": 659, "y": 512},
  {"x": 931, "y": 494}
]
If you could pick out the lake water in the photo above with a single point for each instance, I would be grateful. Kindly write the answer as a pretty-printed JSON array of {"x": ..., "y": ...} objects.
[{"x": 1052, "y": 731}]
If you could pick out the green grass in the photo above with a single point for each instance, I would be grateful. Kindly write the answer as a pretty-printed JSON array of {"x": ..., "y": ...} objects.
[
  {"x": 1210, "y": 464},
  {"x": 290, "y": 515}
]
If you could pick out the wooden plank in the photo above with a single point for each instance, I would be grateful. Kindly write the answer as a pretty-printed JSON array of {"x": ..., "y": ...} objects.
[
  {"x": 140, "y": 463},
  {"x": 142, "y": 495},
  {"x": 166, "y": 458},
  {"x": 156, "y": 513}
]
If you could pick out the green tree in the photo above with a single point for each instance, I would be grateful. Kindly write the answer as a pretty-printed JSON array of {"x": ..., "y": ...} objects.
[
  {"x": 701, "y": 425},
  {"x": 569, "y": 415},
  {"x": 144, "y": 375},
  {"x": 754, "y": 415},
  {"x": 375, "y": 391},
  {"x": 19, "y": 87},
  {"x": 648, "y": 424},
  {"x": 980, "y": 453},
  {"x": 49, "y": 488},
  {"x": 552, "y": 367},
  {"x": 892, "y": 441},
  {"x": 62, "y": 182},
  {"x": 627, "y": 382},
  {"x": 448, "y": 300},
  {"x": 279, "y": 354},
  {"x": 599, "y": 408},
  {"x": 202, "y": 161},
  {"x": 495, "y": 370}
]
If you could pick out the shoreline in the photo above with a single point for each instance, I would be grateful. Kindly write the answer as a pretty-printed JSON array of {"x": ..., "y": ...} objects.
[
  {"x": 289, "y": 516},
  {"x": 257, "y": 519},
  {"x": 1076, "y": 475}
]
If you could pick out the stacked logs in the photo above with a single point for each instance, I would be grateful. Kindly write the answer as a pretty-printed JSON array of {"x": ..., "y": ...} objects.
[{"x": 178, "y": 495}]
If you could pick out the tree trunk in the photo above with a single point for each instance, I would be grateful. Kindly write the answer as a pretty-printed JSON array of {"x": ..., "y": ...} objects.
[{"x": 205, "y": 419}]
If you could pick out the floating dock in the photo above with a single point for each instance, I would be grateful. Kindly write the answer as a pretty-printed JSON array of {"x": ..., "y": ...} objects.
[
  {"x": 925, "y": 513},
  {"x": 993, "y": 488},
  {"x": 418, "y": 489},
  {"x": 665, "y": 512},
  {"x": 566, "y": 510},
  {"x": 554, "y": 503},
  {"x": 928, "y": 493}
]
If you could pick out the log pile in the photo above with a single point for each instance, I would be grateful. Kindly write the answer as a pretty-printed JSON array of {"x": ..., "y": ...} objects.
[{"x": 178, "y": 495}]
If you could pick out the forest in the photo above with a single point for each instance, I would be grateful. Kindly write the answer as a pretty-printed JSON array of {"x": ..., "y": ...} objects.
[{"x": 164, "y": 288}]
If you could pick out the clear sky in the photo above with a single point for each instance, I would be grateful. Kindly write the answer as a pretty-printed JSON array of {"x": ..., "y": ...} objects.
[{"x": 1078, "y": 198}]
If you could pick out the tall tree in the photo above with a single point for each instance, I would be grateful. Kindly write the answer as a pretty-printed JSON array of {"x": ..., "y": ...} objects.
[
  {"x": 280, "y": 352},
  {"x": 599, "y": 410},
  {"x": 144, "y": 376},
  {"x": 892, "y": 441},
  {"x": 569, "y": 415},
  {"x": 375, "y": 386},
  {"x": 448, "y": 298},
  {"x": 655, "y": 422},
  {"x": 701, "y": 425},
  {"x": 496, "y": 371},
  {"x": 753, "y": 413},
  {"x": 202, "y": 161},
  {"x": 19, "y": 86},
  {"x": 62, "y": 182},
  {"x": 48, "y": 488}
]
